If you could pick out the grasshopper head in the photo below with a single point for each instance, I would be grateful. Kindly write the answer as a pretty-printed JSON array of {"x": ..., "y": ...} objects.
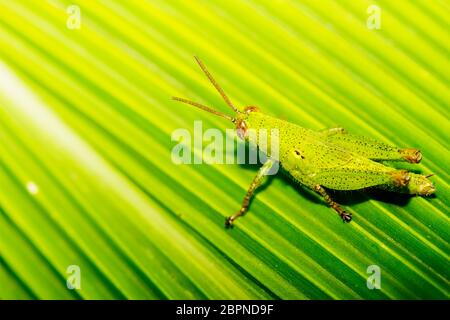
[
  {"x": 241, "y": 121},
  {"x": 240, "y": 117}
]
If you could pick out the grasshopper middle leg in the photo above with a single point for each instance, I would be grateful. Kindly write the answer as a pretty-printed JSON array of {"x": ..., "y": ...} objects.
[
  {"x": 345, "y": 216},
  {"x": 262, "y": 172}
]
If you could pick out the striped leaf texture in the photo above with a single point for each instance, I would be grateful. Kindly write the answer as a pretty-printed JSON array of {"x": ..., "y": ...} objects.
[{"x": 87, "y": 180}]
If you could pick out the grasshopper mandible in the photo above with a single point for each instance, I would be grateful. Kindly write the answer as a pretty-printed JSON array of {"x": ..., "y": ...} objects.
[{"x": 330, "y": 158}]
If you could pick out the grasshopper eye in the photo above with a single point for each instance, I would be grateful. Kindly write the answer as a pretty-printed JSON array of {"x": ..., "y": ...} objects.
[
  {"x": 241, "y": 128},
  {"x": 249, "y": 109}
]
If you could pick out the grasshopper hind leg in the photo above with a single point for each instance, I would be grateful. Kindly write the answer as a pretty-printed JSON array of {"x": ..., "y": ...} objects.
[
  {"x": 370, "y": 148},
  {"x": 345, "y": 216}
]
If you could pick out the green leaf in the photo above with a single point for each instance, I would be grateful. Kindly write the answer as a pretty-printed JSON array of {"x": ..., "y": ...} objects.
[{"x": 86, "y": 176}]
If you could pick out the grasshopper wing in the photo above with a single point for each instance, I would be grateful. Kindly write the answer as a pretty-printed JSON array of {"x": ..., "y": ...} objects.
[{"x": 336, "y": 168}]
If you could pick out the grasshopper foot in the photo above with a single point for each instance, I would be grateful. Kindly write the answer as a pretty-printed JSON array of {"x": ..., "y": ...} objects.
[
  {"x": 229, "y": 222},
  {"x": 346, "y": 216}
]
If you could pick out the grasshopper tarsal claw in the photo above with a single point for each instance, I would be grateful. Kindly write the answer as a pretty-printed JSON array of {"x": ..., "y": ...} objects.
[
  {"x": 229, "y": 222},
  {"x": 346, "y": 216}
]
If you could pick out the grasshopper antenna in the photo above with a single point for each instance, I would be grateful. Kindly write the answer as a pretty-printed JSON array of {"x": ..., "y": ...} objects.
[
  {"x": 203, "y": 107},
  {"x": 216, "y": 85}
]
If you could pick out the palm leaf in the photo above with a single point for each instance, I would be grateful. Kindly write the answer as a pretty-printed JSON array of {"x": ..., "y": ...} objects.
[{"x": 86, "y": 177}]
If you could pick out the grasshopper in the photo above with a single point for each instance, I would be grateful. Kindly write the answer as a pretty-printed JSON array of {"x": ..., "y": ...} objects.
[{"x": 320, "y": 160}]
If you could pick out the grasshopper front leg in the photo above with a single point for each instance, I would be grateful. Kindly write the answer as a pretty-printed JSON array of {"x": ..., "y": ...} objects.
[
  {"x": 257, "y": 181},
  {"x": 345, "y": 216}
]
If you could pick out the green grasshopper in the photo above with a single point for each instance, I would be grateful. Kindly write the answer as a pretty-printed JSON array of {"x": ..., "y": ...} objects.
[{"x": 332, "y": 158}]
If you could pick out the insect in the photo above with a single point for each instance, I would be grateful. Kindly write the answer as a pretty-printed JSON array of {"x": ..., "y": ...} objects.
[{"x": 321, "y": 160}]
